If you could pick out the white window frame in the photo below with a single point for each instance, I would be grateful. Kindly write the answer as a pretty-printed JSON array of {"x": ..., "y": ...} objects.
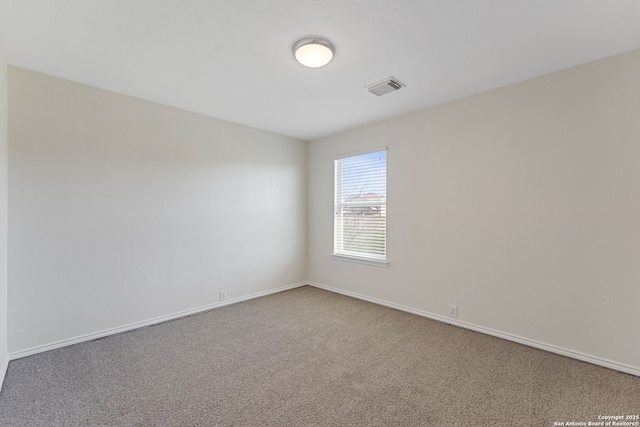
[{"x": 338, "y": 252}]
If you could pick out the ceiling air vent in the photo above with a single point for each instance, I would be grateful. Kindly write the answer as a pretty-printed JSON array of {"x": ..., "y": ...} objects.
[{"x": 390, "y": 84}]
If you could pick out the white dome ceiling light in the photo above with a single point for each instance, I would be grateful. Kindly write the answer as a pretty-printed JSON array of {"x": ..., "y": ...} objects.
[{"x": 314, "y": 52}]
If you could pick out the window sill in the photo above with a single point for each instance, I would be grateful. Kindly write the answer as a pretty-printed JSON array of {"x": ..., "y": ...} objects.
[{"x": 357, "y": 260}]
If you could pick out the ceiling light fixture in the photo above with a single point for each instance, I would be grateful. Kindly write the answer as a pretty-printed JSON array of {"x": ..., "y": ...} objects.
[{"x": 314, "y": 52}]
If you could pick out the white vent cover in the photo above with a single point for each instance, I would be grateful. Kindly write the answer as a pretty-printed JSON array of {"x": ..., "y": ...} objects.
[{"x": 390, "y": 84}]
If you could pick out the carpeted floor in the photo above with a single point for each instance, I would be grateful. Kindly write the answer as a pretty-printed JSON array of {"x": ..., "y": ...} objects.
[{"x": 308, "y": 357}]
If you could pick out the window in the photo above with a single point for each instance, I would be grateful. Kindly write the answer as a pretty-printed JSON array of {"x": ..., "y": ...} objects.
[{"x": 360, "y": 207}]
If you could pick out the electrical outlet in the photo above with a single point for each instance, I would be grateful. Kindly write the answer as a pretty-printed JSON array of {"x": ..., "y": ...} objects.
[
  {"x": 453, "y": 311},
  {"x": 223, "y": 295}
]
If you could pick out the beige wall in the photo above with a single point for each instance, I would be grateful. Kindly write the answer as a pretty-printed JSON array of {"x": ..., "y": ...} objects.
[
  {"x": 4, "y": 357},
  {"x": 123, "y": 210},
  {"x": 520, "y": 205}
]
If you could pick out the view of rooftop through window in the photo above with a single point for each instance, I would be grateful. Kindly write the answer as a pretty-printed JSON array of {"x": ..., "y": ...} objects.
[
  {"x": 364, "y": 175},
  {"x": 360, "y": 205}
]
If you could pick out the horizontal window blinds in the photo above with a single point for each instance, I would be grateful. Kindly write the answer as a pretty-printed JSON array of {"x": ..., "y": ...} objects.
[{"x": 360, "y": 208}]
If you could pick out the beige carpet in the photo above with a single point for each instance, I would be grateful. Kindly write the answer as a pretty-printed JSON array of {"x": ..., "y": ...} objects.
[{"x": 308, "y": 357}]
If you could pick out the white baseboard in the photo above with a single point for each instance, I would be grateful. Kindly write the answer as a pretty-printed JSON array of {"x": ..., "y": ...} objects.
[
  {"x": 136, "y": 325},
  {"x": 521, "y": 340},
  {"x": 3, "y": 369}
]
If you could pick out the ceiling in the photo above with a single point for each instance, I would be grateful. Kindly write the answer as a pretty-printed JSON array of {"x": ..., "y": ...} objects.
[{"x": 232, "y": 59}]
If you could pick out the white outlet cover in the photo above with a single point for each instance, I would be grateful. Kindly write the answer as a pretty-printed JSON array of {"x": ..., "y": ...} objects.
[{"x": 453, "y": 311}]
